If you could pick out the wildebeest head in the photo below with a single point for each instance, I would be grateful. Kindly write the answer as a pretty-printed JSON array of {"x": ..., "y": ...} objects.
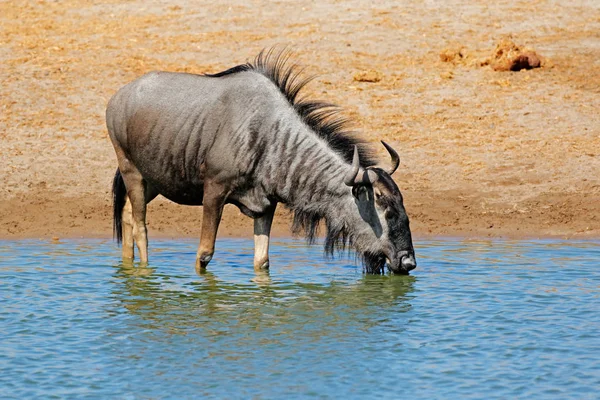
[{"x": 386, "y": 235}]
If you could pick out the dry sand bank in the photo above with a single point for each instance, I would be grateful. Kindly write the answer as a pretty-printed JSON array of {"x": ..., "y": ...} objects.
[{"x": 484, "y": 152}]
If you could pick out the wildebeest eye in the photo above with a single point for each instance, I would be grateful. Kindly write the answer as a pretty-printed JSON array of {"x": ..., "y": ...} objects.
[
  {"x": 357, "y": 191},
  {"x": 391, "y": 215}
]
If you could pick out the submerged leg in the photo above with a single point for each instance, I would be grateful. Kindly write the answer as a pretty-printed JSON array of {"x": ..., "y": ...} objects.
[
  {"x": 139, "y": 193},
  {"x": 213, "y": 203},
  {"x": 127, "y": 229},
  {"x": 262, "y": 232}
]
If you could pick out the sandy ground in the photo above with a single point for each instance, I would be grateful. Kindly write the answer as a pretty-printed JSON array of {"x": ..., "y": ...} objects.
[{"x": 484, "y": 153}]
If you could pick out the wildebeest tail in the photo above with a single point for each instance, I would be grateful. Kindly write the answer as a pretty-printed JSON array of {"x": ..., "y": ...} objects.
[{"x": 119, "y": 197}]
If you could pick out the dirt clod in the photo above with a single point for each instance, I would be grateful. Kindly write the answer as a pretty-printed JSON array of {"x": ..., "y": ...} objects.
[
  {"x": 368, "y": 76},
  {"x": 508, "y": 56},
  {"x": 453, "y": 55}
]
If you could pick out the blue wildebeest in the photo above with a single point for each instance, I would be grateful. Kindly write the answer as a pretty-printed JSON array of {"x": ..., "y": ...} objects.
[{"x": 242, "y": 136}]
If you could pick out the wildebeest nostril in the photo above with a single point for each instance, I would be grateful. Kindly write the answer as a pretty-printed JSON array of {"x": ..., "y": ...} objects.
[{"x": 409, "y": 263}]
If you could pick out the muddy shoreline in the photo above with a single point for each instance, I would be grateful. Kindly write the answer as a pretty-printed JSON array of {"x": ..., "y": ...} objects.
[{"x": 41, "y": 216}]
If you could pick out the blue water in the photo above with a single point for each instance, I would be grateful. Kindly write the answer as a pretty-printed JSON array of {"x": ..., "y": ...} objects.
[{"x": 476, "y": 319}]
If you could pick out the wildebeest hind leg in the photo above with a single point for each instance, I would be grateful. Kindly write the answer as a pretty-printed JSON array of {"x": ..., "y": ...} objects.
[
  {"x": 128, "y": 223},
  {"x": 212, "y": 204},
  {"x": 262, "y": 232},
  {"x": 136, "y": 188},
  {"x": 127, "y": 229}
]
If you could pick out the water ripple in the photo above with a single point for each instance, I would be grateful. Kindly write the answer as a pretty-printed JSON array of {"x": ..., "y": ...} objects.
[{"x": 477, "y": 319}]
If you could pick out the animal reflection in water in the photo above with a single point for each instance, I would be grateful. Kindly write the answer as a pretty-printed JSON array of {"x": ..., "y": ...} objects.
[
  {"x": 244, "y": 137},
  {"x": 208, "y": 302}
]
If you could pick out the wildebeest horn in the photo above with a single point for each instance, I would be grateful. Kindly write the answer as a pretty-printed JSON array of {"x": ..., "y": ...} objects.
[
  {"x": 351, "y": 175},
  {"x": 395, "y": 157}
]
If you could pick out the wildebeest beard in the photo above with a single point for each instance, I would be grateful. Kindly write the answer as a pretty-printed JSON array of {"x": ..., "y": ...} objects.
[
  {"x": 374, "y": 263},
  {"x": 337, "y": 239}
]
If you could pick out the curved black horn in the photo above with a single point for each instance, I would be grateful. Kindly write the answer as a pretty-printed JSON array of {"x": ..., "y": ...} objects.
[
  {"x": 395, "y": 157},
  {"x": 351, "y": 175}
]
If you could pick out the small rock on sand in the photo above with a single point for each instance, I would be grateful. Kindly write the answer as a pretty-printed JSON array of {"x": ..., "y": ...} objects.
[
  {"x": 526, "y": 60},
  {"x": 368, "y": 76}
]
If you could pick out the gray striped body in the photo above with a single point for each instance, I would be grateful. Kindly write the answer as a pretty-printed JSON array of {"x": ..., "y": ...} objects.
[{"x": 175, "y": 128}]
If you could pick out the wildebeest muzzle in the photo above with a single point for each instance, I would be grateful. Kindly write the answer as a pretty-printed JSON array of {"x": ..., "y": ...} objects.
[{"x": 402, "y": 263}]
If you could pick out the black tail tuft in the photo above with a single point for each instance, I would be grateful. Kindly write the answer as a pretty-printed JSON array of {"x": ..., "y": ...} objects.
[{"x": 119, "y": 197}]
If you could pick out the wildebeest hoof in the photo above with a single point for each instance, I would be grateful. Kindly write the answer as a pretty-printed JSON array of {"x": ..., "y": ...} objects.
[
  {"x": 205, "y": 258},
  {"x": 262, "y": 266},
  {"x": 127, "y": 260},
  {"x": 202, "y": 262}
]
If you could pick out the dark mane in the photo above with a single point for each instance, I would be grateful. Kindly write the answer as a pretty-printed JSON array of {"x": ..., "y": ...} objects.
[{"x": 323, "y": 118}]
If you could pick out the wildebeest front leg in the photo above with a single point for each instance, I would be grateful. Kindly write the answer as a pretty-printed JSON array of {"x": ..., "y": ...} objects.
[
  {"x": 262, "y": 232},
  {"x": 213, "y": 202}
]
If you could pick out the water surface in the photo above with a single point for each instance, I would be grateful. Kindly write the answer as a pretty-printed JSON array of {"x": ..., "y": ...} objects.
[{"x": 476, "y": 319}]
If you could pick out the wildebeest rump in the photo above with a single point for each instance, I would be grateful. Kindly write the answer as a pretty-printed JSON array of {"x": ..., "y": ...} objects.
[{"x": 243, "y": 137}]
